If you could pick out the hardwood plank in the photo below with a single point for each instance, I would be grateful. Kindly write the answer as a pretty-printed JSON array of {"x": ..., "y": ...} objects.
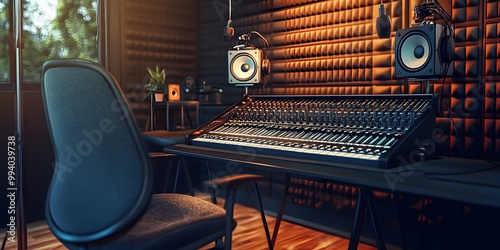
[{"x": 249, "y": 234}]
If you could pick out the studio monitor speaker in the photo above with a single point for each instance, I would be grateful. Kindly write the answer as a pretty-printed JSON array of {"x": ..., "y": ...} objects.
[
  {"x": 188, "y": 89},
  {"x": 174, "y": 93},
  {"x": 424, "y": 52},
  {"x": 245, "y": 66}
]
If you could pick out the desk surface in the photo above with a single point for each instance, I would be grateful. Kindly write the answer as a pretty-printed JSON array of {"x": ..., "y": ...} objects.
[{"x": 464, "y": 180}]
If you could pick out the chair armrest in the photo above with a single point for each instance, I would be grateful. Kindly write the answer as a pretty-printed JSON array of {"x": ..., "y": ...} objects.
[{"x": 233, "y": 181}]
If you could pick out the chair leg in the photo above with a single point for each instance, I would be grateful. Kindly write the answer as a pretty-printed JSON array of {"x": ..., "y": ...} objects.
[{"x": 229, "y": 218}]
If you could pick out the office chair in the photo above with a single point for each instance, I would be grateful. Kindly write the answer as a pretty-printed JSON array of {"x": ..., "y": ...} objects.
[{"x": 100, "y": 194}]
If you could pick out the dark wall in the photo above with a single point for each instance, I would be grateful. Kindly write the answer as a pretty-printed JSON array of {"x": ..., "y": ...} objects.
[
  {"x": 7, "y": 128},
  {"x": 153, "y": 33},
  {"x": 37, "y": 154}
]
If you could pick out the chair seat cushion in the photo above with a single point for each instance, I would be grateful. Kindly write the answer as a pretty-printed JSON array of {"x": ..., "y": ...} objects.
[
  {"x": 172, "y": 222},
  {"x": 158, "y": 139}
]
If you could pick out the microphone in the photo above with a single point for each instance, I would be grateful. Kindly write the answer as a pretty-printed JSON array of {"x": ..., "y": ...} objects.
[
  {"x": 383, "y": 24},
  {"x": 228, "y": 31}
]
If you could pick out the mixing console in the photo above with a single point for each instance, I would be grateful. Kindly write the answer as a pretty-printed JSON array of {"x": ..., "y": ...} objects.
[{"x": 370, "y": 130}]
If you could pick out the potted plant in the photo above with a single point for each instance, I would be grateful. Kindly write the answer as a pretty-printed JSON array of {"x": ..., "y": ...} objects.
[{"x": 156, "y": 86}]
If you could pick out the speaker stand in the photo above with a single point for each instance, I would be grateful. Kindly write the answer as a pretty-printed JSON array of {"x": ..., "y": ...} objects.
[{"x": 425, "y": 85}]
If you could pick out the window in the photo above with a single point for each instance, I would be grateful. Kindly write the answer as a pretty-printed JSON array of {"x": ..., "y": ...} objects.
[
  {"x": 56, "y": 29},
  {"x": 52, "y": 29},
  {"x": 4, "y": 45}
]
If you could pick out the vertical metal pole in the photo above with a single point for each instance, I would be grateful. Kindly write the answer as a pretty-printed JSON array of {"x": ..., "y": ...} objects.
[
  {"x": 151, "y": 115},
  {"x": 427, "y": 87},
  {"x": 182, "y": 116},
  {"x": 21, "y": 226}
]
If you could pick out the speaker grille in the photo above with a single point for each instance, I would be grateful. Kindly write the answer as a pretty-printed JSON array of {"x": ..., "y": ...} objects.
[
  {"x": 243, "y": 67},
  {"x": 174, "y": 92},
  {"x": 415, "y": 51}
]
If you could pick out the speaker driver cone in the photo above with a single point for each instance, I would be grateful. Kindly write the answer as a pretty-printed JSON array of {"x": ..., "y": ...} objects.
[
  {"x": 415, "y": 51},
  {"x": 243, "y": 67}
]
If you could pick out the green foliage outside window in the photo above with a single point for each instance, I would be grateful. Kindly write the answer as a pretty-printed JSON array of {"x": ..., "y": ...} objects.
[
  {"x": 71, "y": 34},
  {"x": 52, "y": 29},
  {"x": 4, "y": 41}
]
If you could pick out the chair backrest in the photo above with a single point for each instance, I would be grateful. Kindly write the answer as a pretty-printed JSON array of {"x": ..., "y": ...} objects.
[{"x": 103, "y": 176}]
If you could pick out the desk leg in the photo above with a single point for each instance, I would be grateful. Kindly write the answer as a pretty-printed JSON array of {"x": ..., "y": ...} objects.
[
  {"x": 152, "y": 113},
  {"x": 182, "y": 116},
  {"x": 379, "y": 233},
  {"x": 279, "y": 216},
  {"x": 197, "y": 115},
  {"x": 168, "y": 116},
  {"x": 366, "y": 196},
  {"x": 399, "y": 210},
  {"x": 189, "y": 122},
  {"x": 358, "y": 221},
  {"x": 209, "y": 173},
  {"x": 167, "y": 177},
  {"x": 179, "y": 162},
  {"x": 263, "y": 216},
  {"x": 188, "y": 176},
  {"x": 182, "y": 164}
]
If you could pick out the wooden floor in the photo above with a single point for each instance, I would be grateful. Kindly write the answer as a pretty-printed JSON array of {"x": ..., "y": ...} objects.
[{"x": 249, "y": 234}]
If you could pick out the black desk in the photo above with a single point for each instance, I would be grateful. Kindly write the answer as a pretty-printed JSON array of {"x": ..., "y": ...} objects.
[{"x": 464, "y": 180}]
